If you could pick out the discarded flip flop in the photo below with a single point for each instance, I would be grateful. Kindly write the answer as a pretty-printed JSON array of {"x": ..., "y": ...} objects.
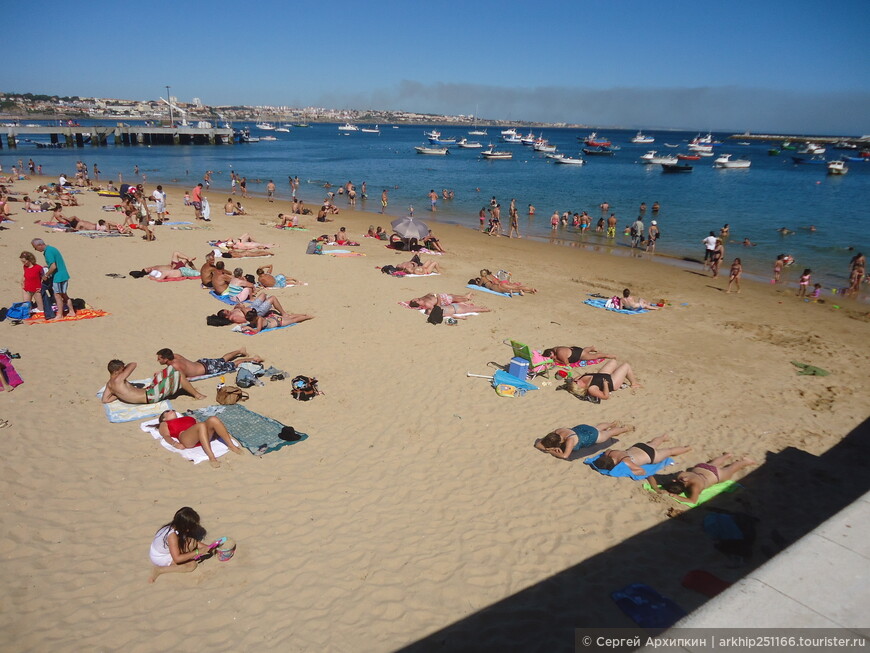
[
  {"x": 277, "y": 377},
  {"x": 4, "y": 423},
  {"x": 598, "y": 295},
  {"x": 115, "y": 275}
]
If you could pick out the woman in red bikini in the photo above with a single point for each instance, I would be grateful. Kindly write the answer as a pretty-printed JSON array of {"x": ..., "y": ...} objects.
[
  {"x": 703, "y": 475},
  {"x": 184, "y": 432}
]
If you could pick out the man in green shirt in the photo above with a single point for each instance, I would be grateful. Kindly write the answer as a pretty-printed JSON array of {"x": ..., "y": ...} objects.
[{"x": 58, "y": 275}]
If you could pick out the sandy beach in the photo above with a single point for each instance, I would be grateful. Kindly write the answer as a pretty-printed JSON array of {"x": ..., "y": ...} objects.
[{"x": 418, "y": 499}]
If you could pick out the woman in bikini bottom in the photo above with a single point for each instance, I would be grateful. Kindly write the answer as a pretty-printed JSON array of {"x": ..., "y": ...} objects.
[
  {"x": 701, "y": 476},
  {"x": 641, "y": 453}
]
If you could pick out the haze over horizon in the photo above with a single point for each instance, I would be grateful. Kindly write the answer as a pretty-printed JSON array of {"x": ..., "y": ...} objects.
[{"x": 787, "y": 67}]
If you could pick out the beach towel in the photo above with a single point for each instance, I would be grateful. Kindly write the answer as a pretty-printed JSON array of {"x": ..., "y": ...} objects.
[
  {"x": 624, "y": 471},
  {"x": 177, "y": 222},
  {"x": 195, "y": 454},
  {"x": 93, "y": 233},
  {"x": 706, "y": 494},
  {"x": 226, "y": 299},
  {"x": 342, "y": 253},
  {"x": 12, "y": 377},
  {"x": 164, "y": 279},
  {"x": 600, "y": 303},
  {"x": 491, "y": 292},
  {"x": 163, "y": 384},
  {"x": 646, "y": 607},
  {"x": 423, "y": 310},
  {"x": 117, "y": 411},
  {"x": 257, "y": 433},
  {"x": 241, "y": 328},
  {"x": 84, "y": 314}
]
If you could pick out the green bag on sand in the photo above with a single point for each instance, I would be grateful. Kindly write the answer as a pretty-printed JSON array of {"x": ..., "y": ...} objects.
[{"x": 810, "y": 370}]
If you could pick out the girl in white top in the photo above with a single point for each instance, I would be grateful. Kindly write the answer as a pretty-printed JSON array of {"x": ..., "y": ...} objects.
[{"x": 176, "y": 545}]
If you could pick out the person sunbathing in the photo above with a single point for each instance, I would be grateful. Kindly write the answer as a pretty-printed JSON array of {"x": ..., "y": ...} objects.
[
  {"x": 164, "y": 384},
  {"x": 257, "y": 323},
  {"x": 342, "y": 239},
  {"x": 230, "y": 207},
  {"x": 642, "y": 453},
  {"x": 263, "y": 304},
  {"x": 458, "y": 308},
  {"x": 440, "y": 299},
  {"x": 416, "y": 266},
  {"x": 244, "y": 243},
  {"x": 506, "y": 286},
  {"x": 226, "y": 364},
  {"x": 696, "y": 479},
  {"x": 291, "y": 220},
  {"x": 495, "y": 287},
  {"x": 570, "y": 355},
  {"x": 267, "y": 280},
  {"x": 239, "y": 288},
  {"x": 561, "y": 443},
  {"x": 601, "y": 384},
  {"x": 636, "y": 303},
  {"x": 184, "y": 432},
  {"x": 179, "y": 266},
  {"x": 220, "y": 278},
  {"x": 431, "y": 242}
]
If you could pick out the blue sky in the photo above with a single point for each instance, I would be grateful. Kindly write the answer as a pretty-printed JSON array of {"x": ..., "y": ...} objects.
[{"x": 762, "y": 65}]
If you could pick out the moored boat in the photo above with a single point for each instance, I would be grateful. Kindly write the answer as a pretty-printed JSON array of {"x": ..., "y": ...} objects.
[
  {"x": 469, "y": 145},
  {"x": 511, "y": 138},
  {"x": 592, "y": 140},
  {"x": 544, "y": 147},
  {"x": 676, "y": 167},
  {"x": 347, "y": 127},
  {"x": 725, "y": 161},
  {"x": 812, "y": 149},
  {"x": 640, "y": 137},
  {"x": 809, "y": 160},
  {"x": 567, "y": 160},
  {"x": 268, "y": 138},
  {"x": 774, "y": 151},
  {"x": 689, "y": 157},
  {"x": 837, "y": 168},
  {"x": 282, "y": 129},
  {"x": 442, "y": 141},
  {"x": 432, "y": 133},
  {"x": 648, "y": 157},
  {"x": 554, "y": 155},
  {"x": 371, "y": 130},
  {"x": 509, "y": 132},
  {"x": 440, "y": 151},
  {"x": 601, "y": 150},
  {"x": 477, "y": 132},
  {"x": 495, "y": 154}
]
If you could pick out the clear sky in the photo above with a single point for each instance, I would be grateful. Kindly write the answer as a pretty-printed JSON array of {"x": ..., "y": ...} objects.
[{"x": 762, "y": 65}]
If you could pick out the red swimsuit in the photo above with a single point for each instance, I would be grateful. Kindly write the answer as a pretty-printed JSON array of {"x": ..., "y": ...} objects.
[{"x": 179, "y": 425}]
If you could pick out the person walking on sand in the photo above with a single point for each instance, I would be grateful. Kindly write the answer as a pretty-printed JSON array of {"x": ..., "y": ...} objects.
[
  {"x": 709, "y": 248},
  {"x": 385, "y": 200},
  {"x": 270, "y": 191},
  {"x": 57, "y": 275},
  {"x": 778, "y": 265},
  {"x": 718, "y": 254},
  {"x": 196, "y": 201},
  {"x": 804, "y": 283},
  {"x": 515, "y": 221},
  {"x": 734, "y": 275}
]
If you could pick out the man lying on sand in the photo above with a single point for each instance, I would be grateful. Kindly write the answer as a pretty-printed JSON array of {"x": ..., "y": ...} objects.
[
  {"x": 164, "y": 384},
  {"x": 440, "y": 299},
  {"x": 179, "y": 266},
  {"x": 226, "y": 364},
  {"x": 263, "y": 304}
]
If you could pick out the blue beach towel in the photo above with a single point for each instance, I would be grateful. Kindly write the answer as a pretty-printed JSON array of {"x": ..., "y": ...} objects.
[
  {"x": 244, "y": 333},
  {"x": 257, "y": 433},
  {"x": 600, "y": 303},
  {"x": 177, "y": 222},
  {"x": 624, "y": 471},
  {"x": 491, "y": 292},
  {"x": 646, "y": 607},
  {"x": 226, "y": 299}
]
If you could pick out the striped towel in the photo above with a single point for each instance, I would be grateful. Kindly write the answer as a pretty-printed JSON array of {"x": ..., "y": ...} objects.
[{"x": 164, "y": 384}]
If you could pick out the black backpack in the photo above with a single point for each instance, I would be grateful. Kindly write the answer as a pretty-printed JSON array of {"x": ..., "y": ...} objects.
[{"x": 304, "y": 388}]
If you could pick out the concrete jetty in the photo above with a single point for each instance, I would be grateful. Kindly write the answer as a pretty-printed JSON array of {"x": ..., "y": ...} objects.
[{"x": 98, "y": 135}]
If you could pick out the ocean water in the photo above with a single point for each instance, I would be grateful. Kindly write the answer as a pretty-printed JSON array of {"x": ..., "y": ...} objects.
[{"x": 756, "y": 202}]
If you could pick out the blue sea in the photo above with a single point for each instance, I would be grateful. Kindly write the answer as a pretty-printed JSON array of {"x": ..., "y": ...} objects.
[{"x": 756, "y": 202}]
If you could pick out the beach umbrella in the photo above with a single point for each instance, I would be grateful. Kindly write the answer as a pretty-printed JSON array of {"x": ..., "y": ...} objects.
[{"x": 408, "y": 227}]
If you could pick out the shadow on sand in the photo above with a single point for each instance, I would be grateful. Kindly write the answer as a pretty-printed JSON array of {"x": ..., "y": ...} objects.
[{"x": 789, "y": 495}]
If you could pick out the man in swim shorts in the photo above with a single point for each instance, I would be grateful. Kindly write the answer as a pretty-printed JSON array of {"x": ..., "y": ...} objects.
[
  {"x": 163, "y": 384},
  {"x": 226, "y": 364}
]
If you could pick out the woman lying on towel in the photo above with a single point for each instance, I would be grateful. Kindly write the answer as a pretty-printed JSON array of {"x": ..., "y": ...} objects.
[
  {"x": 184, "y": 432},
  {"x": 696, "y": 479},
  {"x": 570, "y": 355},
  {"x": 642, "y": 453},
  {"x": 601, "y": 384},
  {"x": 458, "y": 308},
  {"x": 440, "y": 299},
  {"x": 243, "y": 243},
  {"x": 416, "y": 266},
  {"x": 504, "y": 286},
  {"x": 257, "y": 323},
  {"x": 561, "y": 443},
  {"x": 177, "y": 545},
  {"x": 636, "y": 303}
]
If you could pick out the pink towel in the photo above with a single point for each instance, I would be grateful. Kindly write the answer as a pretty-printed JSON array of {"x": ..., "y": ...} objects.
[{"x": 8, "y": 370}]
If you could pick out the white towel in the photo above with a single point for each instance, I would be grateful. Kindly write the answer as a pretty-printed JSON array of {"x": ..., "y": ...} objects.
[{"x": 196, "y": 454}]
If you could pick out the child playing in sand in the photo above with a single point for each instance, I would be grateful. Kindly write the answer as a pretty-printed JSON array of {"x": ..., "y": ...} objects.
[
  {"x": 804, "y": 282},
  {"x": 178, "y": 544},
  {"x": 31, "y": 282},
  {"x": 703, "y": 475},
  {"x": 561, "y": 443},
  {"x": 734, "y": 276},
  {"x": 817, "y": 293},
  {"x": 642, "y": 453}
]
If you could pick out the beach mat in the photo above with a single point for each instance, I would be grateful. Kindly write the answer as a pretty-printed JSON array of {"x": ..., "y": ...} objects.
[
  {"x": 624, "y": 471},
  {"x": 491, "y": 292},
  {"x": 257, "y": 433},
  {"x": 84, "y": 314},
  {"x": 12, "y": 377},
  {"x": 247, "y": 332},
  {"x": 226, "y": 299},
  {"x": 195, "y": 454},
  {"x": 118, "y": 412},
  {"x": 707, "y": 494},
  {"x": 646, "y": 607},
  {"x": 600, "y": 303},
  {"x": 165, "y": 279}
]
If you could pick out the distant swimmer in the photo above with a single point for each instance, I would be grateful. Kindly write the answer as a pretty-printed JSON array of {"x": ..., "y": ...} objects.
[
  {"x": 785, "y": 232},
  {"x": 655, "y": 207},
  {"x": 531, "y": 209},
  {"x": 604, "y": 206},
  {"x": 748, "y": 243}
]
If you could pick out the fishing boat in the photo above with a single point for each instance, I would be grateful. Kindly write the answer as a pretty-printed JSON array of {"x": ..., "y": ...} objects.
[
  {"x": 662, "y": 159},
  {"x": 812, "y": 149},
  {"x": 439, "y": 151},
  {"x": 544, "y": 147},
  {"x": 511, "y": 138},
  {"x": 432, "y": 133},
  {"x": 648, "y": 157},
  {"x": 676, "y": 167},
  {"x": 689, "y": 157},
  {"x": 567, "y": 160},
  {"x": 266, "y": 126},
  {"x": 640, "y": 137},
  {"x": 725, "y": 161},
  {"x": 809, "y": 160},
  {"x": 465, "y": 144},
  {"x": 600, "y": 150},
  {"x": 268, "y": 138},
  {"x": 509, "y": 132},
  {"x": 442, "y": 141},
  {"x": 788, "y": 145},
  {"x": 592, "y": 141},
  {"x": 285, "y": 130},
  {"x": 554, "y": 155},
  {"x": 301, "y": 124},
  {"x": 371, "y": 130},
  {"x": 845, "y": 145},
  {"x": 858, "y": 159},
  {"x": 774, "y": 151},
  {"x": 528, "y": 139},
  {"x": 700, "y": 147},
  {"x": 347, "y": 127},
  {"x": 837, "y": 168},
  {"x": 669, "y": 145},
  {"x": 494, "y": 154}
]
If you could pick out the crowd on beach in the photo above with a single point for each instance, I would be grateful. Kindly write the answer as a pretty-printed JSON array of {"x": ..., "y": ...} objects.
[{"x": 254, "y": 307}]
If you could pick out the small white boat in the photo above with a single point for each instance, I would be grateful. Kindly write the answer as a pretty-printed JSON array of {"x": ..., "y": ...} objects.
[
  {"x": 434, "y": 133},
  {"x": 477, "y": 132},
  {"x": 567, "y": 160},
  {"x": 469, "y": 145},
  {"x": 544, "y": 147},
  {"x": 371, "y": 130},
  {"x": 642, "y": 138},
  {"x": 282, "y": 129},
  {"x": 700, "y": 147},
  {"x": 347, "y": 127},
  {"x": 837, "y": 168},
  {"x": 669, "y": 145},
  {"x": 511, "y": 139},
  {"x": 812, "y": 149},
  {"x": 265, "y": 126},
  {"x": 648, "y": 157},
  {"x": 268, "y": 138},
  {"x": 725, "y": 161},
  {"x": 494, "y": 154},
  {"x": 509, "y": 132},
  {"x": 422, "y": 149},
  {"x": 667, "y": 159},
  {"x": 554, "y": 156},
  {"x": 528, "y": 139}
]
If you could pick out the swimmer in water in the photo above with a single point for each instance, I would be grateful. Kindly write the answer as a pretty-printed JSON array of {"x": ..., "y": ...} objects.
[
  {"x": 785, "y": 232},
  {"x": 748, "y": 243}
]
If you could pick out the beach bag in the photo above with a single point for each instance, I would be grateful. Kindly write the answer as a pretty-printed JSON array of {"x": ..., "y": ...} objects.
[
  {"x": 227, "y": 395},
  {"x": 503, "y": 275},
  {"x": 389, "y": 269},
  {"x": 614, "y": 302},
  {"x": 248, "y": 373},
  {"x": 19, "y": 311},
  {"x": 314, "y": 247},
  {"x": 304, "y": 388}
]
